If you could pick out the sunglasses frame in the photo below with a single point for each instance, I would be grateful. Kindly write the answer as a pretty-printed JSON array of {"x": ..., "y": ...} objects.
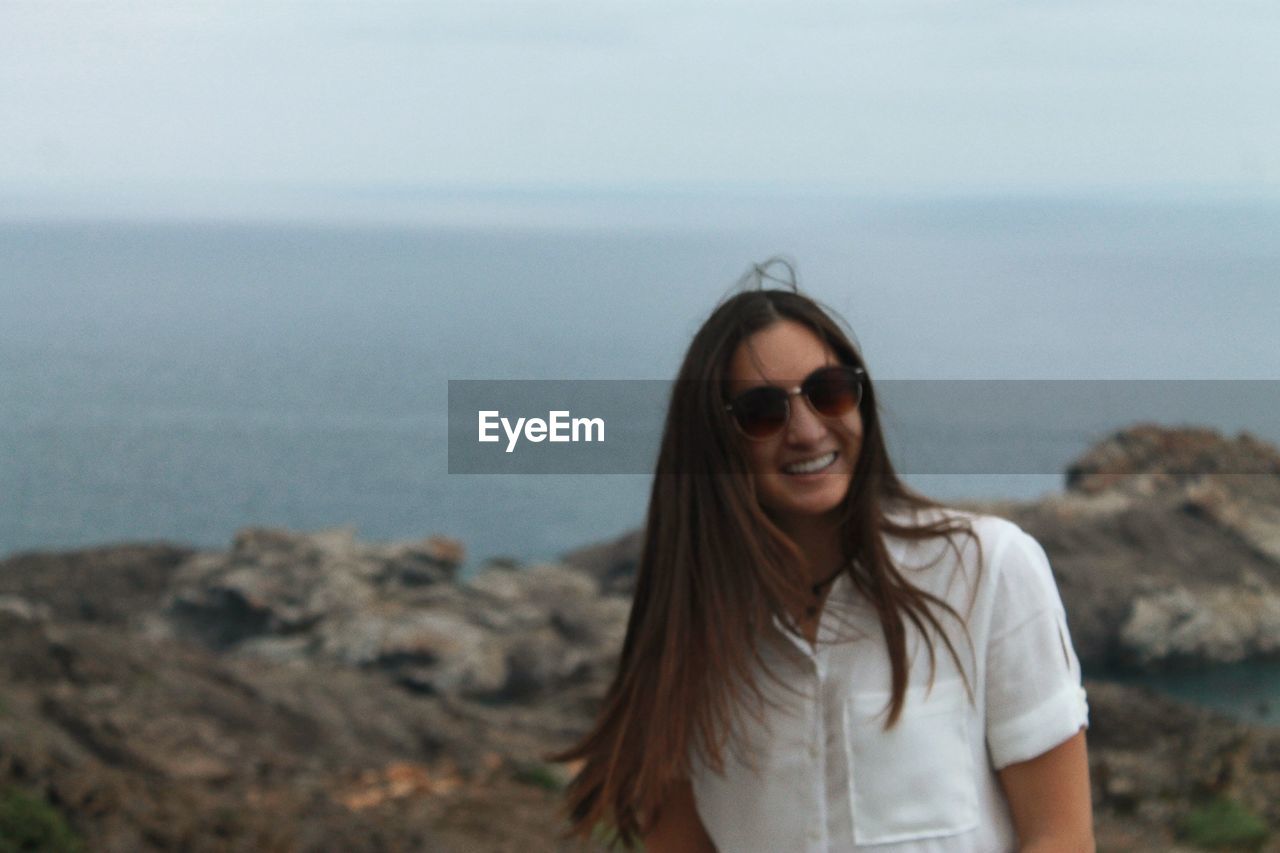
[{"x": 798, "y": 391}]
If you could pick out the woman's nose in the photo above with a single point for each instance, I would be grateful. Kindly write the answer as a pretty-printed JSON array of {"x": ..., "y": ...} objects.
[{"x": 804, "y": 425}]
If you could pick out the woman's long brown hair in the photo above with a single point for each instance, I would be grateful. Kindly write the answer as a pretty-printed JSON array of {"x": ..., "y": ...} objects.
[{"x": 714, "y": 570}]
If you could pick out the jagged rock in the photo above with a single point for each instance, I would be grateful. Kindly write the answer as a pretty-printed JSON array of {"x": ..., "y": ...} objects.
[
  {"x": 1222, "y": 626},
  {"x": 506, "y": 635},
  {"x": 166, "y": 746},
  {"x": 435, "y": 652},
  {"x": 111, "y": 584},
  {"x": 1151, "y": 758},
  {"x": 1166, "y": 548},
  {"x": 1146, "y": 459},
  {"x": 20, "y": 608},
  {"x": 570, "y": 632}
]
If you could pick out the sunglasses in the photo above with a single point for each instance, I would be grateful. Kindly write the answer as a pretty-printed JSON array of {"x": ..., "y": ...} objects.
[{"x": 832, "y": 392}]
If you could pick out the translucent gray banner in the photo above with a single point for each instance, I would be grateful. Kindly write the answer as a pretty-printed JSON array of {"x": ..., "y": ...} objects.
[{"x": 502, "y": 426}]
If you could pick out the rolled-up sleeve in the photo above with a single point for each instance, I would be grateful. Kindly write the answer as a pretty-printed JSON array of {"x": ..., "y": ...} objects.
[{"x": 1034, "y": 690}]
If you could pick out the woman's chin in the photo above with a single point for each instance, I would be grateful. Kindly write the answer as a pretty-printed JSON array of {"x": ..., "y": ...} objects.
[{"x": 807, "y": 503}]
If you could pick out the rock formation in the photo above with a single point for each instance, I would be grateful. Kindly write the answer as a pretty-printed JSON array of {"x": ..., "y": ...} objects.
[{"x": 309, "y": 691}]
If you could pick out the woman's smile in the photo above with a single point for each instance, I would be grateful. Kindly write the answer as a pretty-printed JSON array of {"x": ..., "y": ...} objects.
[{"x": 812, "y": 466}]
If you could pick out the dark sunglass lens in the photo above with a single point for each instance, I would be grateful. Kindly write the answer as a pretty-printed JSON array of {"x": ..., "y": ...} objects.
[
  {"x": 834, "y": 392},
  {"x": 761, "y": 412}
]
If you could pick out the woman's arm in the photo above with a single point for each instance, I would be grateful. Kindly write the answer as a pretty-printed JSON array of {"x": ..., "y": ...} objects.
[
  {"x": 678, "y": 828},
  {"x": 1050, "y": 799}
]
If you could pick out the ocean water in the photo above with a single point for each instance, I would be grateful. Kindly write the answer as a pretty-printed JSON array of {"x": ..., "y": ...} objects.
[
  {"x": 181, "y": 380},
  {"x": 1249, "y": 691}
]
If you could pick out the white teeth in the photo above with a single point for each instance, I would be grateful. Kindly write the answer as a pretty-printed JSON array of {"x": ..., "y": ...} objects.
[{"x": 812, "y": 465}]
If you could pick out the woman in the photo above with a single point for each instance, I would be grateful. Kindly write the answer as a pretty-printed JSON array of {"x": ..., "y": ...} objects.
[{"x": 771, "y": 692}]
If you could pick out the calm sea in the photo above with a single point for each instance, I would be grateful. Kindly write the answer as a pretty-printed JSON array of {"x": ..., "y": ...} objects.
[{"x": 180, "y": 381}]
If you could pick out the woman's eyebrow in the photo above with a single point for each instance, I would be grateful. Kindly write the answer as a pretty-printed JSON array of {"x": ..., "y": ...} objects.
[
  {"x": 786, "y": 384},
  {"x": 742, "y": 386}
]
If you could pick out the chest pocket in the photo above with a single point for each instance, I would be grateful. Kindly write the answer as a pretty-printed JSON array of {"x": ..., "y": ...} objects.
[{"x": 915, "y": 780}]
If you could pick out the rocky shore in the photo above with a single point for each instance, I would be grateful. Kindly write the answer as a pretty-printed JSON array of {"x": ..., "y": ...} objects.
[{"x": 309, "y": 691}]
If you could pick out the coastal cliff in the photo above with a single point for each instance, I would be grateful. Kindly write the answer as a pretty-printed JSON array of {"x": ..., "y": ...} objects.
[{"x": 309, "y": 691}]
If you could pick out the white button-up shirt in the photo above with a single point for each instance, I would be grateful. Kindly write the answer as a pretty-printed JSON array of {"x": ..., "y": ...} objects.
[{"x": 820, "y": 773}]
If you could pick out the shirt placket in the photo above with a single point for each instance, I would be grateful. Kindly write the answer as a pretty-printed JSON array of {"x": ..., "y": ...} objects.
[{"x": 816, "y": 670}]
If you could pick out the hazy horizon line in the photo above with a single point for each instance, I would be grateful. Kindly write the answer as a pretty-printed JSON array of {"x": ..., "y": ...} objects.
[{"x": 653, "y": 205}]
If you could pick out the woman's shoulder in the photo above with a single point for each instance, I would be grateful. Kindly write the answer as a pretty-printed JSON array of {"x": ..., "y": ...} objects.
[
  {"x": 995, "y": 542},
  {"x": 1001, "y": 564}
]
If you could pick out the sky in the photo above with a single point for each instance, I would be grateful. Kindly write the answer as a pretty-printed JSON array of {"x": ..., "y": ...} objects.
[{"x": 881, "y": 97}]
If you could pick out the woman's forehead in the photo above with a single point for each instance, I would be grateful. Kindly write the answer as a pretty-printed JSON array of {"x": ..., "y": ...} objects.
[{"x": 781, "y": 354}]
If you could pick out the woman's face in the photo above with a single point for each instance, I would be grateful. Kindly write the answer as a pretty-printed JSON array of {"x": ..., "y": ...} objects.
[{"x": 784, "y": 354}]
